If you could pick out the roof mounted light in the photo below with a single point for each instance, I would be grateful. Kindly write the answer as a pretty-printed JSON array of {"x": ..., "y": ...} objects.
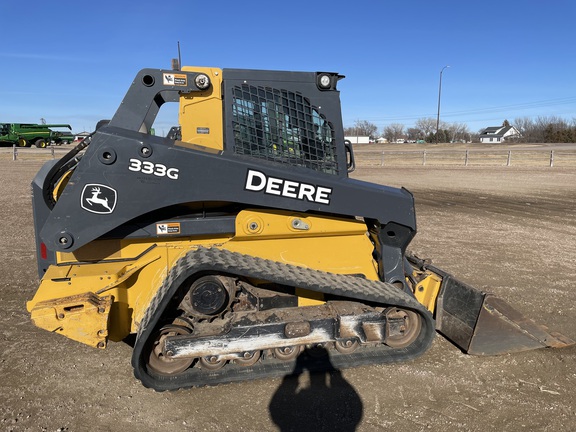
[
  {"x": 324, "y": 81},
  {"x": 202, "y": 81}
]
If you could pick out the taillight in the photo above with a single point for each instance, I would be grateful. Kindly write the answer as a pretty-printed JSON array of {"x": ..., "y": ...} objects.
[{"x": 43, "y": 251}]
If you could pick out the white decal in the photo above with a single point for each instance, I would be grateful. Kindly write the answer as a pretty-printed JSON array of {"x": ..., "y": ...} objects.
[
  {"x": 168, "y": 228},
  {"x": 157, "y": 169},
  {"x": 168, "y": 79},
  {"x": 174, "y": 79},
  {"x": 259, "y": 182},
  {"x": 97, "y": 198}
]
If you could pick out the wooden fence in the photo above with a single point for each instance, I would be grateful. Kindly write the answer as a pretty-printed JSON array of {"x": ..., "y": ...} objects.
[
  {"x": 15, "y": 153},
  {"x": 377, "y": 157},
  {"x": 469, "y": 157}
]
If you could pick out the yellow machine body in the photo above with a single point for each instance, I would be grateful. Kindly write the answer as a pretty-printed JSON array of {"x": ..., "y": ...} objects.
[
  {"x": 200, "y": 113},
  {"x": 131, "y": 272}
]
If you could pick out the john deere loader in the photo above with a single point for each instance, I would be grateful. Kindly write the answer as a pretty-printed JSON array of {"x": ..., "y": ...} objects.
[{"x": 239, "y": 242}]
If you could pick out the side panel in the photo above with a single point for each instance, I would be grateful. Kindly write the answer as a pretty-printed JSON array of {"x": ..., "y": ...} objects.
[
  {"x": 131, "y": 272},
  {"x": 106, "y": 192},
  {"x": 201, "y": 117}
]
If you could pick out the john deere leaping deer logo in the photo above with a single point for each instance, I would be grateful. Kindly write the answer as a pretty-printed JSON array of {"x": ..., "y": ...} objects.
[{"x": 97, "y": 198}]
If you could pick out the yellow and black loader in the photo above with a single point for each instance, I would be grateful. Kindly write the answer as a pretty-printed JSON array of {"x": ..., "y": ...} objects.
[{"x": 239, "y": 242}]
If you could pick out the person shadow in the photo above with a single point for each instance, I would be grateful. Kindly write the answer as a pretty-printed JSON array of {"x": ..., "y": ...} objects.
[{"x": 327, "y": 403}]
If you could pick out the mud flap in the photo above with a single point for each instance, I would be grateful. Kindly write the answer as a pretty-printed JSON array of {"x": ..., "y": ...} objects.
[{"x": 482, "y": 324}]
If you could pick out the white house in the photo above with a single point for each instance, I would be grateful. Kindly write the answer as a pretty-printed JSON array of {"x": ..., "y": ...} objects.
[{"x": 498, "y": 134}]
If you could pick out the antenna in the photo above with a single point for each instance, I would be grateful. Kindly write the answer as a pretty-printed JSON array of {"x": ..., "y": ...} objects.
[{"x": 177, "y": 63}]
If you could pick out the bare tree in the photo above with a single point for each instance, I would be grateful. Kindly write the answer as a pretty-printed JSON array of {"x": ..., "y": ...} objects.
[
  {"x": 546, "y": 129},
  {"x": 362, "y": 128},
  {"x": 414, "y": 134},
  {"x": 459, "y": 132},
  {"x": 426, "y": 126},
  {"x": 523, "y": 125},
  {"x": 393, "y": 131}
]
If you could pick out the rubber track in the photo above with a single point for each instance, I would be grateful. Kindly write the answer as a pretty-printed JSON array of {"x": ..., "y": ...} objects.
[{"x": 215, "y": 260}]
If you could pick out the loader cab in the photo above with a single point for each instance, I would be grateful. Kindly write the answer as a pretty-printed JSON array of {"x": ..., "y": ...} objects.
[{"x": 291, "y": 118}]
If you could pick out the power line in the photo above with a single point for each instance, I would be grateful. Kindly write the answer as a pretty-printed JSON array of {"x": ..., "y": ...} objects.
[
  {"x": 527, "y": 105},
  {"x": 487, "y": 110}
]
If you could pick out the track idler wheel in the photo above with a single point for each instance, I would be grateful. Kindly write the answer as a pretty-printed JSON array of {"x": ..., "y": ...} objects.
[
  {"x": 347, "y": 346},
  {"x": 248, "y": 358},
  {"x": 212, "y": 363},
  {"x": 161, "y": 363},
  {"x": 404, "y": 326},
  {"x": 287, "y": 353}
]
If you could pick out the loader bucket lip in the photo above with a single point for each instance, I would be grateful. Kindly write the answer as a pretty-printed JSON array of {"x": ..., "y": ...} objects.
[
  {"x": 481, "y": 323},
  {"x": 502, "y": 329}
]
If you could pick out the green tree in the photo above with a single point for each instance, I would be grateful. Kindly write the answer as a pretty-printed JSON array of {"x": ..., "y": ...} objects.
[{"x": 444, "y": 136}]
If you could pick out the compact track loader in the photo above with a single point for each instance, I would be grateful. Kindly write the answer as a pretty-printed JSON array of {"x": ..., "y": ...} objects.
[{"x": 239, "y": 242}]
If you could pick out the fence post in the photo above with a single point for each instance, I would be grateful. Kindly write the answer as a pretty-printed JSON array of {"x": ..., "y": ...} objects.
[
  {"x": 509, "y": 157},
  {"x": 551, "y": 158},
  {"x": 424, "y": 157},
  {"x": 52, "y": 151},
  {"x": 14, "y": 152},
  {"x": 466, "y": 158},
  {"x": 382, "y": 160}
]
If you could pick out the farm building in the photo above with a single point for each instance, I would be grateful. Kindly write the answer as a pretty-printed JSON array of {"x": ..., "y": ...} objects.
[{"x": 498, "y": 134}]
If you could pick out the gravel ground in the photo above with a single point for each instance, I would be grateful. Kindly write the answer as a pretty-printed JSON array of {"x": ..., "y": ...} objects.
[{"x": 507, "y": 230}]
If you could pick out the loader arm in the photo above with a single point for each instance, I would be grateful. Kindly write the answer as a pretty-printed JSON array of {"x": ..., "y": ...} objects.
[{"x": 196, "y": 178}]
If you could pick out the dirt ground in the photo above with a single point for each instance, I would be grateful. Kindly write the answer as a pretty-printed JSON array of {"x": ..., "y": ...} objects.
[{"x": 508, "y": 230}]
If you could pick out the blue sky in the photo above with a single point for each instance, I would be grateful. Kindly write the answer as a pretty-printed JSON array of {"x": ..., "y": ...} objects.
[{"x": 72, "y": 61}]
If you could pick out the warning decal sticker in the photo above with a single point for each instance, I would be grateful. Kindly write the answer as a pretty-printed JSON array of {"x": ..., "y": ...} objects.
[
  {"x": 167, "y": 228},
  {"x": 175, "y": 79}
]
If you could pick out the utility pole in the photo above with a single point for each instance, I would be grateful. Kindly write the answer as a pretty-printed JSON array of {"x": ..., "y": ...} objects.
[{"x": 439, "y": 96}]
